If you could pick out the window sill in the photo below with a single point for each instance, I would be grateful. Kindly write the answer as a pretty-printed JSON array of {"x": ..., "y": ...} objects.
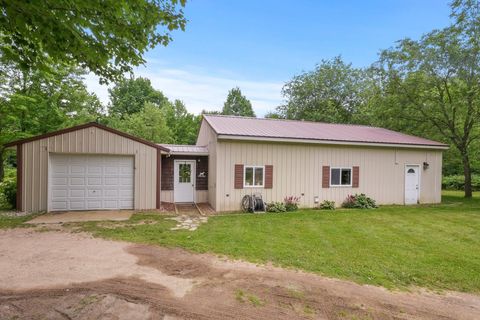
[{"x": 340, "y": 186}]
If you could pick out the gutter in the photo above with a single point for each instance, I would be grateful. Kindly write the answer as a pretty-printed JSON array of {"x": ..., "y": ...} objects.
[{"x": 331, "y": 142}]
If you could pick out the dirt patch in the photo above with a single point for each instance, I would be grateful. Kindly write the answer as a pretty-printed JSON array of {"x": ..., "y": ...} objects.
[
  {"x": 81, "y": 216},
  {"x": 74, "y": 276}
]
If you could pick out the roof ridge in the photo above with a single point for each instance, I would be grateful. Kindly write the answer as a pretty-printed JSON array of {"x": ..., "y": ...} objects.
[{"x": 294, "y": 120}]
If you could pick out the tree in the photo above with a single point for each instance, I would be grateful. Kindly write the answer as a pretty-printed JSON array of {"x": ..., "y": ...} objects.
[
  {"x": 149, "y": 123},
  {"x": 237, "y": 104},
  {"x": 129, "y": 96},
  {"x": 436, "y": 82},
  {"x": 330, "y": 93},
  {"x": 183, "y": 124},
  {"x": 106, "y": 37},
  {"x": 32, "y": 102}
]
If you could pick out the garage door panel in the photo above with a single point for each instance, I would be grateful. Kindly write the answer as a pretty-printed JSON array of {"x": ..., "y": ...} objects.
[
  {"x": 63, "y": 169},
  {"x": 113, "y": 194},
  {"x": 77, "y": 193},
  {"x": 111, "y": 181},
  {"x": 126, "y": 170},
  {"x": 59, "y": 205},
  {"x": 91, "y": 182},
  {"x": 77, "y": 169},
  {"x": 61, "y": 193},
  {"x": 94, "y": 204},
  {"x": 126, "y": 204},
  {"x": 95, "y": 169},
  {"x": 76, "y": 181},
  {"x": 76, "y": 205},
  {"x": 94, "y": 181},
  {"x": 111, "y": 170},
  {"x": 59, "y": 181}
]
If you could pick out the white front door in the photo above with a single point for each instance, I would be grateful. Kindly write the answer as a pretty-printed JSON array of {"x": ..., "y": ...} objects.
[
  {"x": 184, "y": 181},
  {"x": 91, "y": 182},
  {"x": 412, "y": 184}
]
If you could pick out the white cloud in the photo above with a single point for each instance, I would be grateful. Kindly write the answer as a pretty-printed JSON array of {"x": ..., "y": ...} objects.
[{"x": 200, "y": 91}]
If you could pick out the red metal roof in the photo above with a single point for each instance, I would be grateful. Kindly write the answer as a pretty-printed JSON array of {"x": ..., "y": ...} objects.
[{"x": 291, "y": 129}]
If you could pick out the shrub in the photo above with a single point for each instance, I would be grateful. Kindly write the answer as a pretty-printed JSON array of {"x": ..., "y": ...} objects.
[
  {"x": 327, "y": 205},
  {"x": 8, "y": 190},
  {"x": 359, "y": 201},
  {"x": 457, "y": 182},
  {"x": 291, "y": 203},
  {"x": 276, "y": 207}
]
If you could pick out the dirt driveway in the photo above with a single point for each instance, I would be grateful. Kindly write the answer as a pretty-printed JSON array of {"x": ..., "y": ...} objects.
[{"x": 60, "y": 275}]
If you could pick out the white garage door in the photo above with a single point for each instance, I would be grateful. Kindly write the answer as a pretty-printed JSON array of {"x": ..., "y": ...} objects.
[{"x": 91, "y": 182}]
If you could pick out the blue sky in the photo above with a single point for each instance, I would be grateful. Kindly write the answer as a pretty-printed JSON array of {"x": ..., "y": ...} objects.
[{"x": 260, "y": 45}]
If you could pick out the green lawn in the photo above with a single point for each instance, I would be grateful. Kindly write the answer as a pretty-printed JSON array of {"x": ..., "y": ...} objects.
[
  {"x": 13, "y": 222},
  {"x": 434, "y": 246}
]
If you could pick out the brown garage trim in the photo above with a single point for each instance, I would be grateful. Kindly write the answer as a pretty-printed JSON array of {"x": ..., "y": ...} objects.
[
  {"x": 159, "y": 169},
  {"x": 19, "y": 177},
  {"x": 84, "y": 126}
]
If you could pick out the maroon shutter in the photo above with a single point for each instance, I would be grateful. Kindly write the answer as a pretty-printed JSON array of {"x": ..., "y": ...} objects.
[
  {"x": 238, "y": 184},
  {"x": 355, "y": 177},
  {"x": 325, "y": 176},
  {"x": 268, "y": 176}
]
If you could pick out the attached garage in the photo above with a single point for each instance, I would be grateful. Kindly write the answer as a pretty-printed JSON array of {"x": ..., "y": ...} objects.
[{"x": 87, "y": 167}]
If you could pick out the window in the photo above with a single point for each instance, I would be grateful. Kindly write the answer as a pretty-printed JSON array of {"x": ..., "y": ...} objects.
[
  {"x": 184, "y": 173},
  {"x": 341, "y": 177},
  {"x": 253, "y": 176}
]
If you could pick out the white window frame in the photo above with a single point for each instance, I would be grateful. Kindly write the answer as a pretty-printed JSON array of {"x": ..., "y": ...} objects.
[
  {"x": 341, "y": 185},
  {"x": 253, "y": 177}
]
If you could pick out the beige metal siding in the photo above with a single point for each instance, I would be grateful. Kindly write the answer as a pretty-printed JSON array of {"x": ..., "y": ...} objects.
[
  {"x": 297, "y": 170},
  {"x": 90, "y": 140},
  {"x": 201, "y": 196},
  {"x": 208, "y": 137}
]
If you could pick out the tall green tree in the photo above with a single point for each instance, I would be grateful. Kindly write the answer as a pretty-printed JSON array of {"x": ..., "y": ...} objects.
[
  {"x": 33, "y": 102},
  {"x": 149, "y": 123},
  {"x": 183, "y": 124},
  {"x": 333, "y": 92},
  {"x": 129, "y": 96},
  {"x": 435, "y": 82},
  {"x": 106, "y": 37},
  {"x": 237, "y": 104}
]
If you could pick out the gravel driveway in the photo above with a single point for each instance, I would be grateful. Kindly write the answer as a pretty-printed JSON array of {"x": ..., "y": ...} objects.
[{"x": 61, "y": 275}]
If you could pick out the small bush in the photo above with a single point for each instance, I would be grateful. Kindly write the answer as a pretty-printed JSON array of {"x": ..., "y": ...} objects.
[
  {"x": 8, "y": 190},
  {"x": 291, "y": 203},
  {"x": 276, "y": 207},
  {"x": 327, "y": 205},
  {"x": 359, "y": 201},
  {"x": 457, "y": 182}
]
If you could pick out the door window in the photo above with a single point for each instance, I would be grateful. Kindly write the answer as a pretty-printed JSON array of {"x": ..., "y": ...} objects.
[{"x": 184, "y": 173}]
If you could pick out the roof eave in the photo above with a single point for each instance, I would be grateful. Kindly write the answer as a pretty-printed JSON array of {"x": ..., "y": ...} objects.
[
  {"x": 84, "y": 126},
  {"x": 186, "y": 153},
  {"x": 331, "y": 142}
]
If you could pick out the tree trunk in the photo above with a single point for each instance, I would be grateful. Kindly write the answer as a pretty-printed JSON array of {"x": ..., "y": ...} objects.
[
  {"x": 2, "y": 169},
  {"x": 467, "y": 172}
]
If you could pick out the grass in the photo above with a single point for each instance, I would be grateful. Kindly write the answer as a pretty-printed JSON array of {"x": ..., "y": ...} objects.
[
  {"x": 13, "y": 222},
  {"x": 432, "y": 246}
]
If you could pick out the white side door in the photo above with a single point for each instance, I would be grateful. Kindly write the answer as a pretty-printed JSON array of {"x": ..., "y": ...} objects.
[
  {"x": 184, "y": 181},
  {"x": 412, "y": 184}
]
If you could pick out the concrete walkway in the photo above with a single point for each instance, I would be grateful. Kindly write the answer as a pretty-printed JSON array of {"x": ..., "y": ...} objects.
[{"x": 81, "y": 216}]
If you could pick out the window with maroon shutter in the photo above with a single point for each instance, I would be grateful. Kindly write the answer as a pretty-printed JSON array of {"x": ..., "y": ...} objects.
[
  {"x": 268, "y": 176},
  {"x": 238, "y": 184},
  {"x": 326, "y": 177},
  {"x": 355, "y": 177}
]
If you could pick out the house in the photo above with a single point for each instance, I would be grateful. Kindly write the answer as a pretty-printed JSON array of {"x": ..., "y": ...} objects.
[{"x": 92, "y": 167}]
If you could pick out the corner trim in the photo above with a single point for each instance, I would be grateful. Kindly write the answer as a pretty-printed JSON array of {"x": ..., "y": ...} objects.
[
  {"x": 19, "y": 204},
  {"x": 159, "y": 175}
]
